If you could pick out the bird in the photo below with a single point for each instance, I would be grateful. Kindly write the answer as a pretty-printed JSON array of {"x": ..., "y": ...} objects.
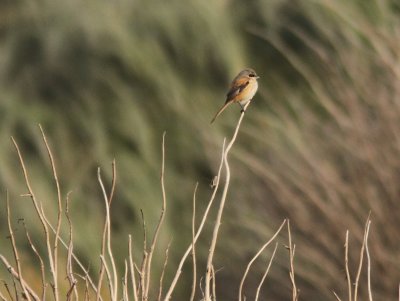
[{"x": 242, "y": 89}]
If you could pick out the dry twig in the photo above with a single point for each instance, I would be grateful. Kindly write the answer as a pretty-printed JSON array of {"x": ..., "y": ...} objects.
[
  {"x": 15, "y": 250},
  {"x": 59, "y": 214},
  {"x": 256, "y": 256},
  {"x": 292, "y": 249},
  {"x": 15, "y": 275},
  {"x": 221, "y": 207},
  {"x": 266, "y": 272},
  {"x": 114, "y": 286},
  {"x": 40, "y": 214},
  {"x": 105, "y": 227},
  {"x": 132, "y": 270},
  {"x": 199, "y": 230},
  {"x": 194, "y": 280},
  {"x": 160, "y": 222}
]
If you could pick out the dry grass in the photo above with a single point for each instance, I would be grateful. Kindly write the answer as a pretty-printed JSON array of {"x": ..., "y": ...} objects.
[{"x": 139, "y": 286}]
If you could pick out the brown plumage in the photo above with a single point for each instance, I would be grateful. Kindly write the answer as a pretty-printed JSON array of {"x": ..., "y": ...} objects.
[{"x": 243, "y": 88}]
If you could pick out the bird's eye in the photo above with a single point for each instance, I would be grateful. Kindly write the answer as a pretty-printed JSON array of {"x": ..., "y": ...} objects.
[{"x": 252, "y": 75}]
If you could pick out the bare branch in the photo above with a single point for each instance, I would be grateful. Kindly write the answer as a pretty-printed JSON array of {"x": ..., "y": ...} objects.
[
  {"x": 199, "y": 230},
  {"x": 292, "y": 249},
  {"x": 346, "y": 259},
  {"x": 42, "y": 272},
  {"x": 125, "y": 283},
  {"x": 160, "y": 222},
  {"x": 16, "y": 276},
  {"x": 163, "y": 271},
  {"x": 194, "y": 281},
  {"x": 108, "y": 239},
  {"x": 109, "y": 279},
  {"x": 39, "y": 212},
  {"x": 103, "y": 242},
  {"x": 132, "y": 270},
  {"x": 14, "y": 248},
  {"x": 59, "y": 214},
  {"x": 336, "y": 296},
  {"x": 221, "y": 207},
  {"x": 256, "y": 256},
  {"x": 69, "y": 269},
  {"x": 368, "y": 259},
  {"x": 361, "y": 261},
  {"x": 79, "y": 263},
  {"x": 266, "y": 272}
]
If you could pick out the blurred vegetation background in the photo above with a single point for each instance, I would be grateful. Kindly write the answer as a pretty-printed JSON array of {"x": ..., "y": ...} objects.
[{"x": 320, "y": 143}]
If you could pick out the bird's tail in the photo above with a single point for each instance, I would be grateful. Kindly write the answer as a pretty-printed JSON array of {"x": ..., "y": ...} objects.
[{"x": 220, "y": 111}]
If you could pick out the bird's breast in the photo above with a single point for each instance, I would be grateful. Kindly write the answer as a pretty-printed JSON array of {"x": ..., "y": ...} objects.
[{"x": 248, "y": 93}]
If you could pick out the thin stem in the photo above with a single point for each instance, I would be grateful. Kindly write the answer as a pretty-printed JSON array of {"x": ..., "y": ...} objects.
[
  {"x": 361, "y": 261},
  {"x": 59, "y": 215},
  {"x": 256, "y": 256},
  {"x": 132, "y": 270},
  {"x": 160, "y": 222},
  {"x": 368, "y": 260},
  {"x": 221, "y": 207},
  {"x": 42, "y": 272},
  {"x": 346, "y": 260},
  {"x": 292, "y": 249},
  {"x": 266, "y": 272},
  {"x": 194, "y": 280},
  {"x": 199, "y": 230},
  {"x": 103, "y": 242},
  {"x": 14, "y": 248},
  {"x": 108, "y": 240},
  {"x": 15, "y": 275},
  {"x": 163, "y": 272},
  {"x": 39, "y": 212}
]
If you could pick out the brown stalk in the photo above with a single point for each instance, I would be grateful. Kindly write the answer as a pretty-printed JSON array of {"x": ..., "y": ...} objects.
[
  {"x": 103, "y": 242},
  {"x": 336, "y": 296},
  {"x": 163, "y": 272},
  {"x": 346, "y": 259},
  {"x": 160, "y": 222},
  {"x": 256, "y": 256},
  {"x": 221, "y": 207},
  {"x": 15, "y": 275},
  {"x": 213, "y": 286},
  {"x": 292, "y": 249},
  {"x": 109, "y": 279},
  {"x": 142, "y": 271},
  {"x": 356, "y": 283},
  {"x": 87, "y": 297},
  {"x": 14, "y": 248},
  {"x": 125, "y": 283},
  {"x": 85, "y": 270},
  {"x": 194, "y": 281},
  {"x": 199, "y": 230},
  {"x": 39, "y": 213},
  {"x": 266, "y": 272},
  {"x": 59, "y": 214},
  {"x": 368, "y": 259},
  {"x": 132, "y": 270},
  {"x": 42, "y": 272},
  {"x": 70, "y": 273},
  {"x": 108, "y": 240}
]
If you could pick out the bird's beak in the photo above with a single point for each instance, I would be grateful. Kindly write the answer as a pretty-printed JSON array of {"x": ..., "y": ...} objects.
[{"x": 257, "y": 77}]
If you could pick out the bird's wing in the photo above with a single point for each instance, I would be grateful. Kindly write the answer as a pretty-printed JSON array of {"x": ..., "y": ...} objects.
[{"x": 237, "y": 86}]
